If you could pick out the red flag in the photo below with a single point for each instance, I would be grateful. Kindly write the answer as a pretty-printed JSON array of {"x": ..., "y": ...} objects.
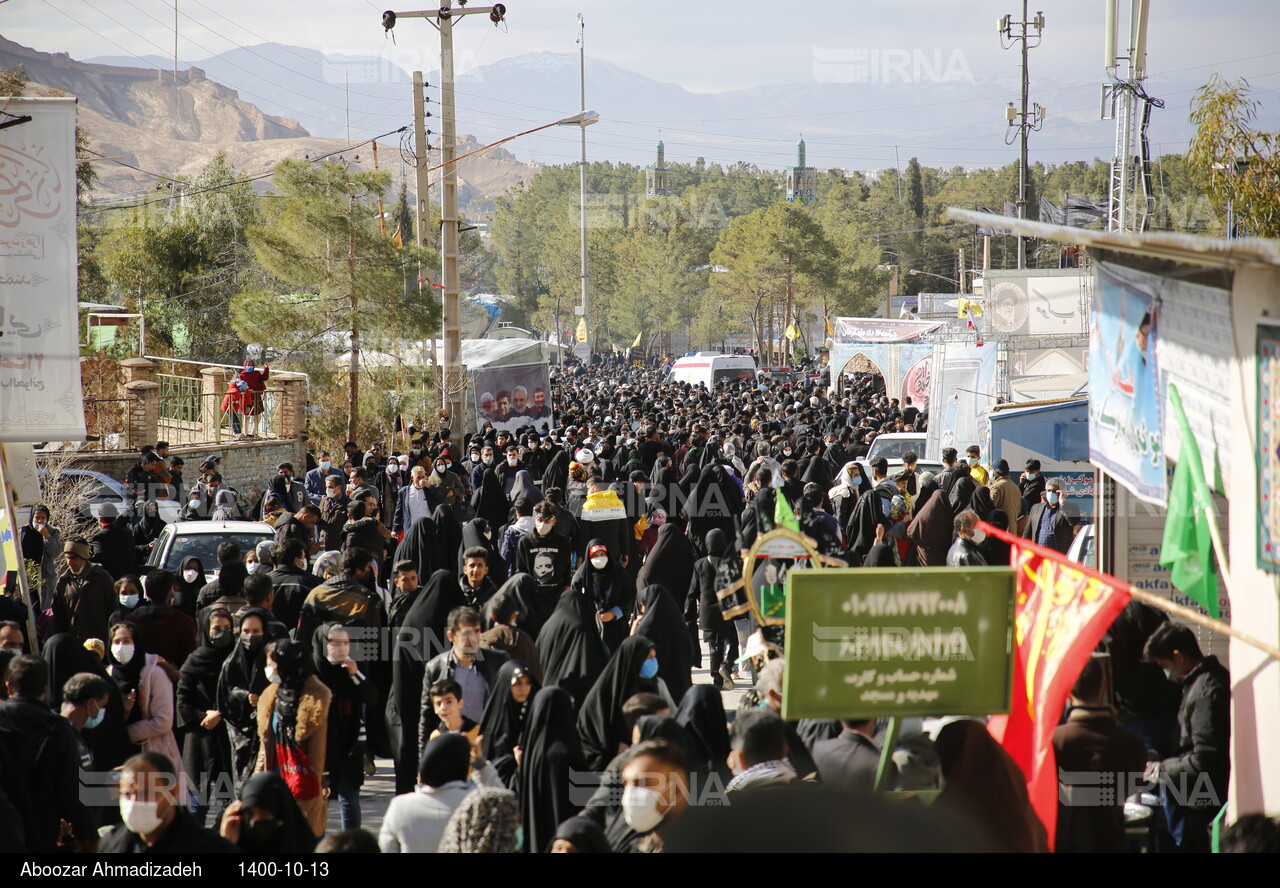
[{"x": 1063, "y": 609}]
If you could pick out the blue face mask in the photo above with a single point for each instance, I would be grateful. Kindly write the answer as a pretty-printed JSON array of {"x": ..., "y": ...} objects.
[
  {"x": 94, "y": 721},
  {"x": 1051, "y": 497},
  {"x": 649, "y": 668}
]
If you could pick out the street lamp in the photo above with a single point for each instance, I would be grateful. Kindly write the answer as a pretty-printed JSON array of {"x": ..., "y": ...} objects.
[{"x": 931, "y": 274}]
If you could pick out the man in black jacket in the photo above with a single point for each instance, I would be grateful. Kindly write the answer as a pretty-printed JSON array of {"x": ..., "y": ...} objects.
[
  {"x": 44, "y": 753},
  {"x": 474, "y": 668},
  {"x": 290, "y": 580},
  {"x": 300, "y": 526},
  {"x": 112, "y": 547},
  {"x": 849, "y": 761},
  {"x": 1193, "y": 781},
  {"x": 153, "y": 821}
]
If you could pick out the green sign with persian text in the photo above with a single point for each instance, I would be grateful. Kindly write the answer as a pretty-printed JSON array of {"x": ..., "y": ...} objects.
[{"x": 872, "y": 642}]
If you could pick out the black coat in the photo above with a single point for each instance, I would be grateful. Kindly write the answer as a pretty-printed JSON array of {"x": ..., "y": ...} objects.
[
  {"x": 43, "y": 780},
  {"x": 243, "y": 673},
  {"x": 600, "y": 723},
  {"x": 291, "y": 587},
  {"x": 573, "y": 655},
  {"x": 206, "y": 752},
  {"x": 504, "y": 719},
  {"x": 1063, "y": 532},
  {"x": 113, "y": 548},
  {"x": 1203, "y": 744},
  {"x": 552, "y": 755},
  {"x": 663, "y": 624},
  {"x": 184, "y": 836}
]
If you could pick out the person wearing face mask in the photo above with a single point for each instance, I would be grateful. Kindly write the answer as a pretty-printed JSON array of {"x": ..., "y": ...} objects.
[
  {"x": 487, "y": 460},
  {"x": 41, "y": 546},
  {"x": 973, "y": 455},
  {"x": 601, "y": 723},
  {"x": 154, "y": 818},
  {"x": 608, "y": 586},
  {"x": 147, "y": 691},
  {"x": 206, "y": 749},
  {"x": 314, "y": 482},
  {"x": 416, "y": 500},
  {"x": 1047, "y": 524},
  {"x": 128, "y": 591},
  {"x": 445, "y": 482},
  {"x": 266, "y": 820},
  {"x": 547, "y": 556},
  {"x": 84, "y": 597},
  {"x": 241, "y": 681},
  {"x": 333, "y": 656},
  {"x": 293, "y": 724},
  {"x": 655, "y": 795},
  {"x": 964, "y": 551},
  {"x": 84, "y": 706}
]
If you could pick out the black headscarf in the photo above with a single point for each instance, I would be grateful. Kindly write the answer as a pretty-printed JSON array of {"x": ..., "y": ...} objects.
[
  {"x": 663, "y": 623},
  {"x": 557, "y": 473},
  {"x": 293, "y": 665},
  {"x": 552, "y": 753},
  {"x": 127, "y": 676},
  {"x": 268, "y": 791},
  {"x": 190, "y": 591},
  {"x": 446, "y": 759},
  {"x": 600, "y": 722},
  {"x": 608, "y": 587},
  {"x": 473, "y": 535},
  {"x": 448, "y": 532},
  {"x": 671, "y": 562},
  {"x": 981, "y": 502},
  {"x": 573, "y": 656},
  {"x": 109, "y": 742},
  {"x": 280, "y": 487},
  {"x": 503, "y": 721},
  {"x": 246, "y": 668},
  {"x": 701, "y": 713},
  {"x": 421, "y": 545},
  {"x": 204, "y": 664},
  {"x": 666, "y": 727},
  {"x": 932, "y": 528},
  {"x": 961, "y": 494},
  {"x": 331, "y": 675},
  {"x": 585, "y": 835},
  {"x": 489, "y": 501},
  {"x": 523, "y": 588},
  {"x": 525, "y": 487}
]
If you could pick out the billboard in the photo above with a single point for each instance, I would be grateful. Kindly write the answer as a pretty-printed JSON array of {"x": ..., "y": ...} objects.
[
  {"x": 40, "y": 395},
  {"x": 513, "y": 397},
  {"x": 872, "y": 642}
]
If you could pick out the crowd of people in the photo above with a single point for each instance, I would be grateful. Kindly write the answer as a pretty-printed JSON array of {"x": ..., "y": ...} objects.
[{"x": 514, "y": 620}]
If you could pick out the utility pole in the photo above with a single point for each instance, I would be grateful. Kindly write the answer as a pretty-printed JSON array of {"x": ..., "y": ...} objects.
[
  {"x": 442, "y": 19},
  {"x": 353, "y": 310},
  {"x": 1125, "y": 99},
  {"x": 582, "y": 185},
  {"x": 422, "y": 188},
  {"x": 175, "y": 44},
  {"x": 1025, "y": 121}
]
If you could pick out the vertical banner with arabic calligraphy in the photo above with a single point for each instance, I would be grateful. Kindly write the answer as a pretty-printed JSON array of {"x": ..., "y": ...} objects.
[
  {"x": 1124, "y": 391},
  {"x": 40, "y": 396},
  {"x": 1062, "y": 610}
]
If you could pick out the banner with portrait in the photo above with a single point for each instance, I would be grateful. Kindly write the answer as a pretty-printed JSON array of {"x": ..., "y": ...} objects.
[{"x": 513, "y": 397}]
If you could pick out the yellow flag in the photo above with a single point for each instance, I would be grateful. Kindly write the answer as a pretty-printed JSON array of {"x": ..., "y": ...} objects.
[
  {"x": 965, "y": 307},
  {"x": 831, "y": 331},
  {"x": 581, "y": 334},
  {"x": 397, "y": 239},
  {"x": 792, "y": 332},
  {"x": 636, "y": 344}
]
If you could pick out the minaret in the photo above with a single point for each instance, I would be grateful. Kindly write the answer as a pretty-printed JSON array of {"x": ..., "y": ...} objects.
[
  {"x": 802, "y": 180},
  {"x": 657, "y": 178}
]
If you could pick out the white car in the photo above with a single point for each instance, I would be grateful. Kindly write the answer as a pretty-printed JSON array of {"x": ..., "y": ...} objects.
[
  {"x": 200, "y": 539},
  {"x": 892, "y": 445},
  {"x": 1084, "y": 549},
  {"x": 98, "y": 489}
]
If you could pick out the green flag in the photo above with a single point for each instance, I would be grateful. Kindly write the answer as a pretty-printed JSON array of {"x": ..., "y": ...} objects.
[
  {"x": 782, "y": 514},
  {"x": 1187, "y": 548}
]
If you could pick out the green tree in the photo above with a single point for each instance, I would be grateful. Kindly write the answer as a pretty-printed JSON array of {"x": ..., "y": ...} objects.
[
  {"x": 331, "y": 269},
  {"x": 915, "y": 189},
  {"x": 1237, "y": 163}
]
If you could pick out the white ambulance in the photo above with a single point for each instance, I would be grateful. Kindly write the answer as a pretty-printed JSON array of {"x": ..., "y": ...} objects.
[{"x": 710, "y": 368}]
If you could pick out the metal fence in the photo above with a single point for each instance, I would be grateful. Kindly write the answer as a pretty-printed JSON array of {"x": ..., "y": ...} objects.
[{"x": 190, "y": 416}]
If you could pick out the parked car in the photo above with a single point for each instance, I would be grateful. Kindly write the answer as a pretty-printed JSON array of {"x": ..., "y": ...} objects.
[
  {"x": 892, "y": 445},
  {"x": 200, "y": 539},
  {"x": 96, "y": 490},
  {"x": 1084, "y": 549}
]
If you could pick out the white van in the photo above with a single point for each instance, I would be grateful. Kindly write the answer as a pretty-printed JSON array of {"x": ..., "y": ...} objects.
[{"x": 710, "y": 368}]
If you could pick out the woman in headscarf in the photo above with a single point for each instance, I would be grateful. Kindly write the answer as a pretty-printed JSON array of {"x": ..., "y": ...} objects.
[
  {"x": 557, "y": 471},
  {"x": 524, "y": 487},
  {"x": 578, "y": 835},
  {"x": 687, "y": 486},
  {"x": 701, "y": 714},
  {"x": 659, "y": 619},
  {"x": 487, "y": 822},
  {"x": 994, "y": 549},
  {"x": 666, "y": 727},
  {"x": 448, "y": 532},
  {"x": 108, "y": 742},
  {"x": 981, "y": 502},
  {"x": 607, "y": 585},
  {"x": 632, "y": 669},
  {"x": 573, "y": 656},
  {"x": 422, "y": 546},
  {"x": 982, "y": 786},
  {"x": 293, "y": 723},
  {"x": 267, "y": 820},
  {"x": 206, "y": 750},
  {"x": 489, "y": 502},
  {"x": 551, "y": 755},
  {"x": 522, "y": 588},
  {"x": 42, "y": 546},
  {"x": 671, "y": 562},
  {"x": 225, "y": 507},
  {"x": 478, "y": 532},
  {"x": 505, "y": 712},
  {"x": 146, "y": 528},
  {"x": 147, "y": 692},
  {"x": 426, "y": 618},
  {"x": 351, "y": 693},
  {"x": 818, "y": 471},
  {"x": 327, "y": 564},
  {"x": 850, "y": 484},
  {"x": 932, "y": 528},
  {"x": 240, "y": 684},
  {"x": 961, "y": 495},
  {"x": 191, "y": 579}
]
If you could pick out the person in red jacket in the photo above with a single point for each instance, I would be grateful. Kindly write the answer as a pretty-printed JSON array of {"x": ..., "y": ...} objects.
[{"x": 255, "y": 380}]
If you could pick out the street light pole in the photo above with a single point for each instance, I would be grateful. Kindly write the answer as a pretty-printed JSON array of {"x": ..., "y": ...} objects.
[{"x": 582, "y": 185}]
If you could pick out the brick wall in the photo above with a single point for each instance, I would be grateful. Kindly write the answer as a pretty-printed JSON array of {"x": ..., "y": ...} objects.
[{"x": 247, "y": 466}]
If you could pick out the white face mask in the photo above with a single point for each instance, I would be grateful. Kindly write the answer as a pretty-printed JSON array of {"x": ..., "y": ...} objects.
[
  {"x": 640, "y": 808},
  {"x": 600, "y": 562},
  {"x": 122, "y": 652},
  {"x": 487, "y": 459},
  {"x": 270, "y": 672},
  {"x": 1031, "y": 476},
  {"x": 142, "y": 818},
  {"x": 191, "y": 575},
  {"x": 257, "y": 567},
  {"x": 543, "y": 527},
  {"x": 130, "y": 600},
  {"x": 513, "y": 460},
  {"x": 1051, "y": 497},
  {"x": 978, "y": 535}
]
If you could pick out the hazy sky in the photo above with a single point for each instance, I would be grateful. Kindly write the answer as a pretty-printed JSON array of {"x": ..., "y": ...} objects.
[{"x": 704, "y": 46}]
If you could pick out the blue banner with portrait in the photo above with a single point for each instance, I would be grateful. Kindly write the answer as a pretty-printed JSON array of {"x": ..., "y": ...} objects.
[{"x": 1124, "y": 396}]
